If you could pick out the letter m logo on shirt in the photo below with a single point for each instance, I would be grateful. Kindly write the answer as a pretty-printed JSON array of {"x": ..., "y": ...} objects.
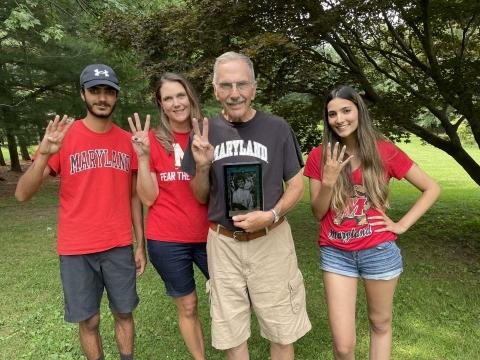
[{"x": 358, "y": 208}]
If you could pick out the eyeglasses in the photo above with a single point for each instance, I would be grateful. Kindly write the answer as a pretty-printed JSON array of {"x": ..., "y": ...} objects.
[{"x": 240, "y": 86}]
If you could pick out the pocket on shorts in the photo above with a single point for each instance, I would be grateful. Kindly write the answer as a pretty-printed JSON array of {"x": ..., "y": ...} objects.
[
  {"x": 387, "y": 245},
  {"x": 208, "y": 291},
  {"x": 297, "y": 292}
]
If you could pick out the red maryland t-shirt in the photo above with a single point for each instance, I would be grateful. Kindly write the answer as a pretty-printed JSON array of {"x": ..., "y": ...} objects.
[
  {"x": 176, "y": 215},
  {"x": 351, "y": 229},
  {"x": 95, "y": 172}
]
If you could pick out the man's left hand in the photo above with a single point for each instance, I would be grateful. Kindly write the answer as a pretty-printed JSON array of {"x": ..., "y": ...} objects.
[
  {"x": 140, "y": 260},
  {"x": 253, "y": 221}
]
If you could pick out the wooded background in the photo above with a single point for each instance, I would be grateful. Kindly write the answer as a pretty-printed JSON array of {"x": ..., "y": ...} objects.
[{"x": 415, "y": 62}]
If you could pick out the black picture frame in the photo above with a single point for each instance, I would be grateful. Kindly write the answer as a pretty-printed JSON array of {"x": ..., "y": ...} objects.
[{"x": 243, "y": 188}]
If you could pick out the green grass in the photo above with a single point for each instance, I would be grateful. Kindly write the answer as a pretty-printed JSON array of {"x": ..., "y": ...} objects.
[{"x": 436, "y": 311}]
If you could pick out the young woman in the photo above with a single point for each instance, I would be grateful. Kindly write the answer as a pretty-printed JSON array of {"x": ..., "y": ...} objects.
[
  {"x": 177, "y": 224},
  {"x": 349, "y": 176}
]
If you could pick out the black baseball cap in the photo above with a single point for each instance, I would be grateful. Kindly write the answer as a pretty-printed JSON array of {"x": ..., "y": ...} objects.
[{"x": 98, "y": 74}]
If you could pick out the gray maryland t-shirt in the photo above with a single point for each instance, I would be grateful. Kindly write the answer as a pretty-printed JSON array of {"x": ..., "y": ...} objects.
[{"x": 266, "y": 139}]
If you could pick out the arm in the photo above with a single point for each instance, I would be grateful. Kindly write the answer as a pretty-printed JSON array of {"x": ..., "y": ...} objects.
[
  {"x": 147, "y": 184},
  {"x": 51, "y": 143},
  {"x": 30, "y": 182},
  {"x": 202, "y": 152},
  {"x": 292, "y": 195},
  {"x": 137, "y": 221},
  {"x": 320, "y": 197},
  {"x": 321, "y": 191},
  {"x": 256, "y": 220},
  {"x": 430, "y": 192},
  {"x": 200, "y": 183}
]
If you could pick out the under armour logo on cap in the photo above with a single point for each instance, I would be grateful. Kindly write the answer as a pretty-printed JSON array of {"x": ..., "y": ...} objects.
[{"x": 98, "y": 74}]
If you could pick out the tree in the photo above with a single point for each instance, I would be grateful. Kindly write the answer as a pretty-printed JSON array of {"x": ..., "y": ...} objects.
[
  {"x": 43, "y": 47},
  {"x": 28, "y": 68},
  {"x": 416, "y": 62}
]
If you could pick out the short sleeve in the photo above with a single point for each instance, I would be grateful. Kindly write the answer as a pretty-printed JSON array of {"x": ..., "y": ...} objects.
[
  {"x": 292, "y": 155},
  {"x": 396, "y": 162},
  {"x": 312, "y": 167}
]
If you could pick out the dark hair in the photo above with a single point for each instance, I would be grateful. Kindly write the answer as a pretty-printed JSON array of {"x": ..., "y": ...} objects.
[
  {"x": 371, "y": 162},
  {"x": 164, "y": 131}
]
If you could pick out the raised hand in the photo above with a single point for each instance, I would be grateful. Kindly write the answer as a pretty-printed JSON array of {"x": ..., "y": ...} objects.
[
  {"x": 54, "y": 134},
  {"x": 140, "y": 140},
  {"x": 201, "y": 148},
  {"x": 334, "y": 163}
]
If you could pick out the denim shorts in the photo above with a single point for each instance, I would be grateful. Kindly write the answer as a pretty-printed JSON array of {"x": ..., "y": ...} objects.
[
  {"x": 174, "y": 263},
  {"x": 382, "y": 262}
]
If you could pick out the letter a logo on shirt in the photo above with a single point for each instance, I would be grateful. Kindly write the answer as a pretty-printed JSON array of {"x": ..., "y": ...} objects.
[{"x": 178, "y": 155}]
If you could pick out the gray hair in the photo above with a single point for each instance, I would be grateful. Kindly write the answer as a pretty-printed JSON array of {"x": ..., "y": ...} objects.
[{"x": 229, "y": 56}]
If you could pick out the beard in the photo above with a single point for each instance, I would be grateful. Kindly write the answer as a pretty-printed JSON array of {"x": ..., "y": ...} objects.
[{"x": 102, "y": 115}]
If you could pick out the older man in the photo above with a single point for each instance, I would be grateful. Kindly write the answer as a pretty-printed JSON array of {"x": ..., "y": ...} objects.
[{"x": 251, "y": 257}]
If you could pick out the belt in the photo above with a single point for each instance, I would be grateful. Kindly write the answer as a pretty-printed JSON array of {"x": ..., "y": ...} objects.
[{"x": 241, "y": 235}]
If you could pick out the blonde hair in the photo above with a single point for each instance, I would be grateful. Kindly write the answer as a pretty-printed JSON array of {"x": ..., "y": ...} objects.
[
  {"x": 164, "y": 131},
  {"x": 373, "y": 171}
]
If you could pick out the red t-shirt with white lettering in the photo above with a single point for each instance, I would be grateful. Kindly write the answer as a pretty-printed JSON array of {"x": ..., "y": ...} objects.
[
  {"x": 176, "y": 215},
  {"x": 95, "y": 172},
  {"x": 351, "y": 230}
]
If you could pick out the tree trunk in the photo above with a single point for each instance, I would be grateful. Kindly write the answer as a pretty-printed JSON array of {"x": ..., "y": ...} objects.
[
  {"x": 461, "y": 156},
  {"x": 12, "y": 149},
  {"x": 24, "y": 150},
  {"x": 2, "y": 159},
  {"x": 467, "y": 162}
]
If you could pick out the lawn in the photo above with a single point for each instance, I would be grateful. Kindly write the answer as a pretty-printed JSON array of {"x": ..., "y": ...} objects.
[{"x": 436, "y": 313}]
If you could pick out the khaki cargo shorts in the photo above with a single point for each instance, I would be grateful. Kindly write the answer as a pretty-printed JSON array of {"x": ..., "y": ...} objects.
[{"x": 261, "y": 274}]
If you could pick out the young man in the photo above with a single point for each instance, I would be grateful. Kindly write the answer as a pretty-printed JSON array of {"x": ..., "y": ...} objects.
[
  {"x": 96, "y": 162},
  {"x": 251, "y": 258}
]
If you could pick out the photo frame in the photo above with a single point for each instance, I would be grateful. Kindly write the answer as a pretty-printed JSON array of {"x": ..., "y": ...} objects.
[{"x": 243, "y": 188}]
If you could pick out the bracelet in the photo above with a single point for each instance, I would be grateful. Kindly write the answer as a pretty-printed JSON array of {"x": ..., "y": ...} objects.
[{"x": 276, "y": 215}]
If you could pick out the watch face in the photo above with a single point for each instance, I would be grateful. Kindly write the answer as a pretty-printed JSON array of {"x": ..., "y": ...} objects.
[{"x": 243, "y": 188}]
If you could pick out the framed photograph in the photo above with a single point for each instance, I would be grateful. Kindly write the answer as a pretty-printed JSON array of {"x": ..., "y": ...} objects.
[{"x": 243, "y": 188}]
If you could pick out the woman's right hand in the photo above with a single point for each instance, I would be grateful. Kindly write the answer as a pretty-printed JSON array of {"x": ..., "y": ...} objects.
[
  {"x": 140, "y": 140},
  {"x": 202, "y": 150},
  {"x": 334, "y": 164}
]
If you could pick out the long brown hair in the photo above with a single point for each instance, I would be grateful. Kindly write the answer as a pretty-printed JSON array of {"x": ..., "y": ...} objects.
[
  {"x": 164, "y": 132},
  {"x": 373, "y": 172}
]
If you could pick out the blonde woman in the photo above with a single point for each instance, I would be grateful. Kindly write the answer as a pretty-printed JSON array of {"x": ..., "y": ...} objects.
[{"x": 177, "y": 223}]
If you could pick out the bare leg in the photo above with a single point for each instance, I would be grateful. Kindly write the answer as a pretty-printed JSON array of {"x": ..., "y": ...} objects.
[
  {"x": 341, "y": 296},
  {"x": 380, "y": 303},
  {"x": 90, "y": 337},
  {"x": 124, "y": 332},
  {"x": 281, "y": 352},
  {"x": 239, "y": 352},
  {"x": 190, "y": 326}
]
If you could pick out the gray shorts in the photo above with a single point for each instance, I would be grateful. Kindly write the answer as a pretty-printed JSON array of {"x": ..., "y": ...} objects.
[{"x": 85, "y": 276}]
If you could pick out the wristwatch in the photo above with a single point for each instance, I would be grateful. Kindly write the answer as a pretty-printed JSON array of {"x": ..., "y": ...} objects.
[{"x": 276, "y": 215}]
